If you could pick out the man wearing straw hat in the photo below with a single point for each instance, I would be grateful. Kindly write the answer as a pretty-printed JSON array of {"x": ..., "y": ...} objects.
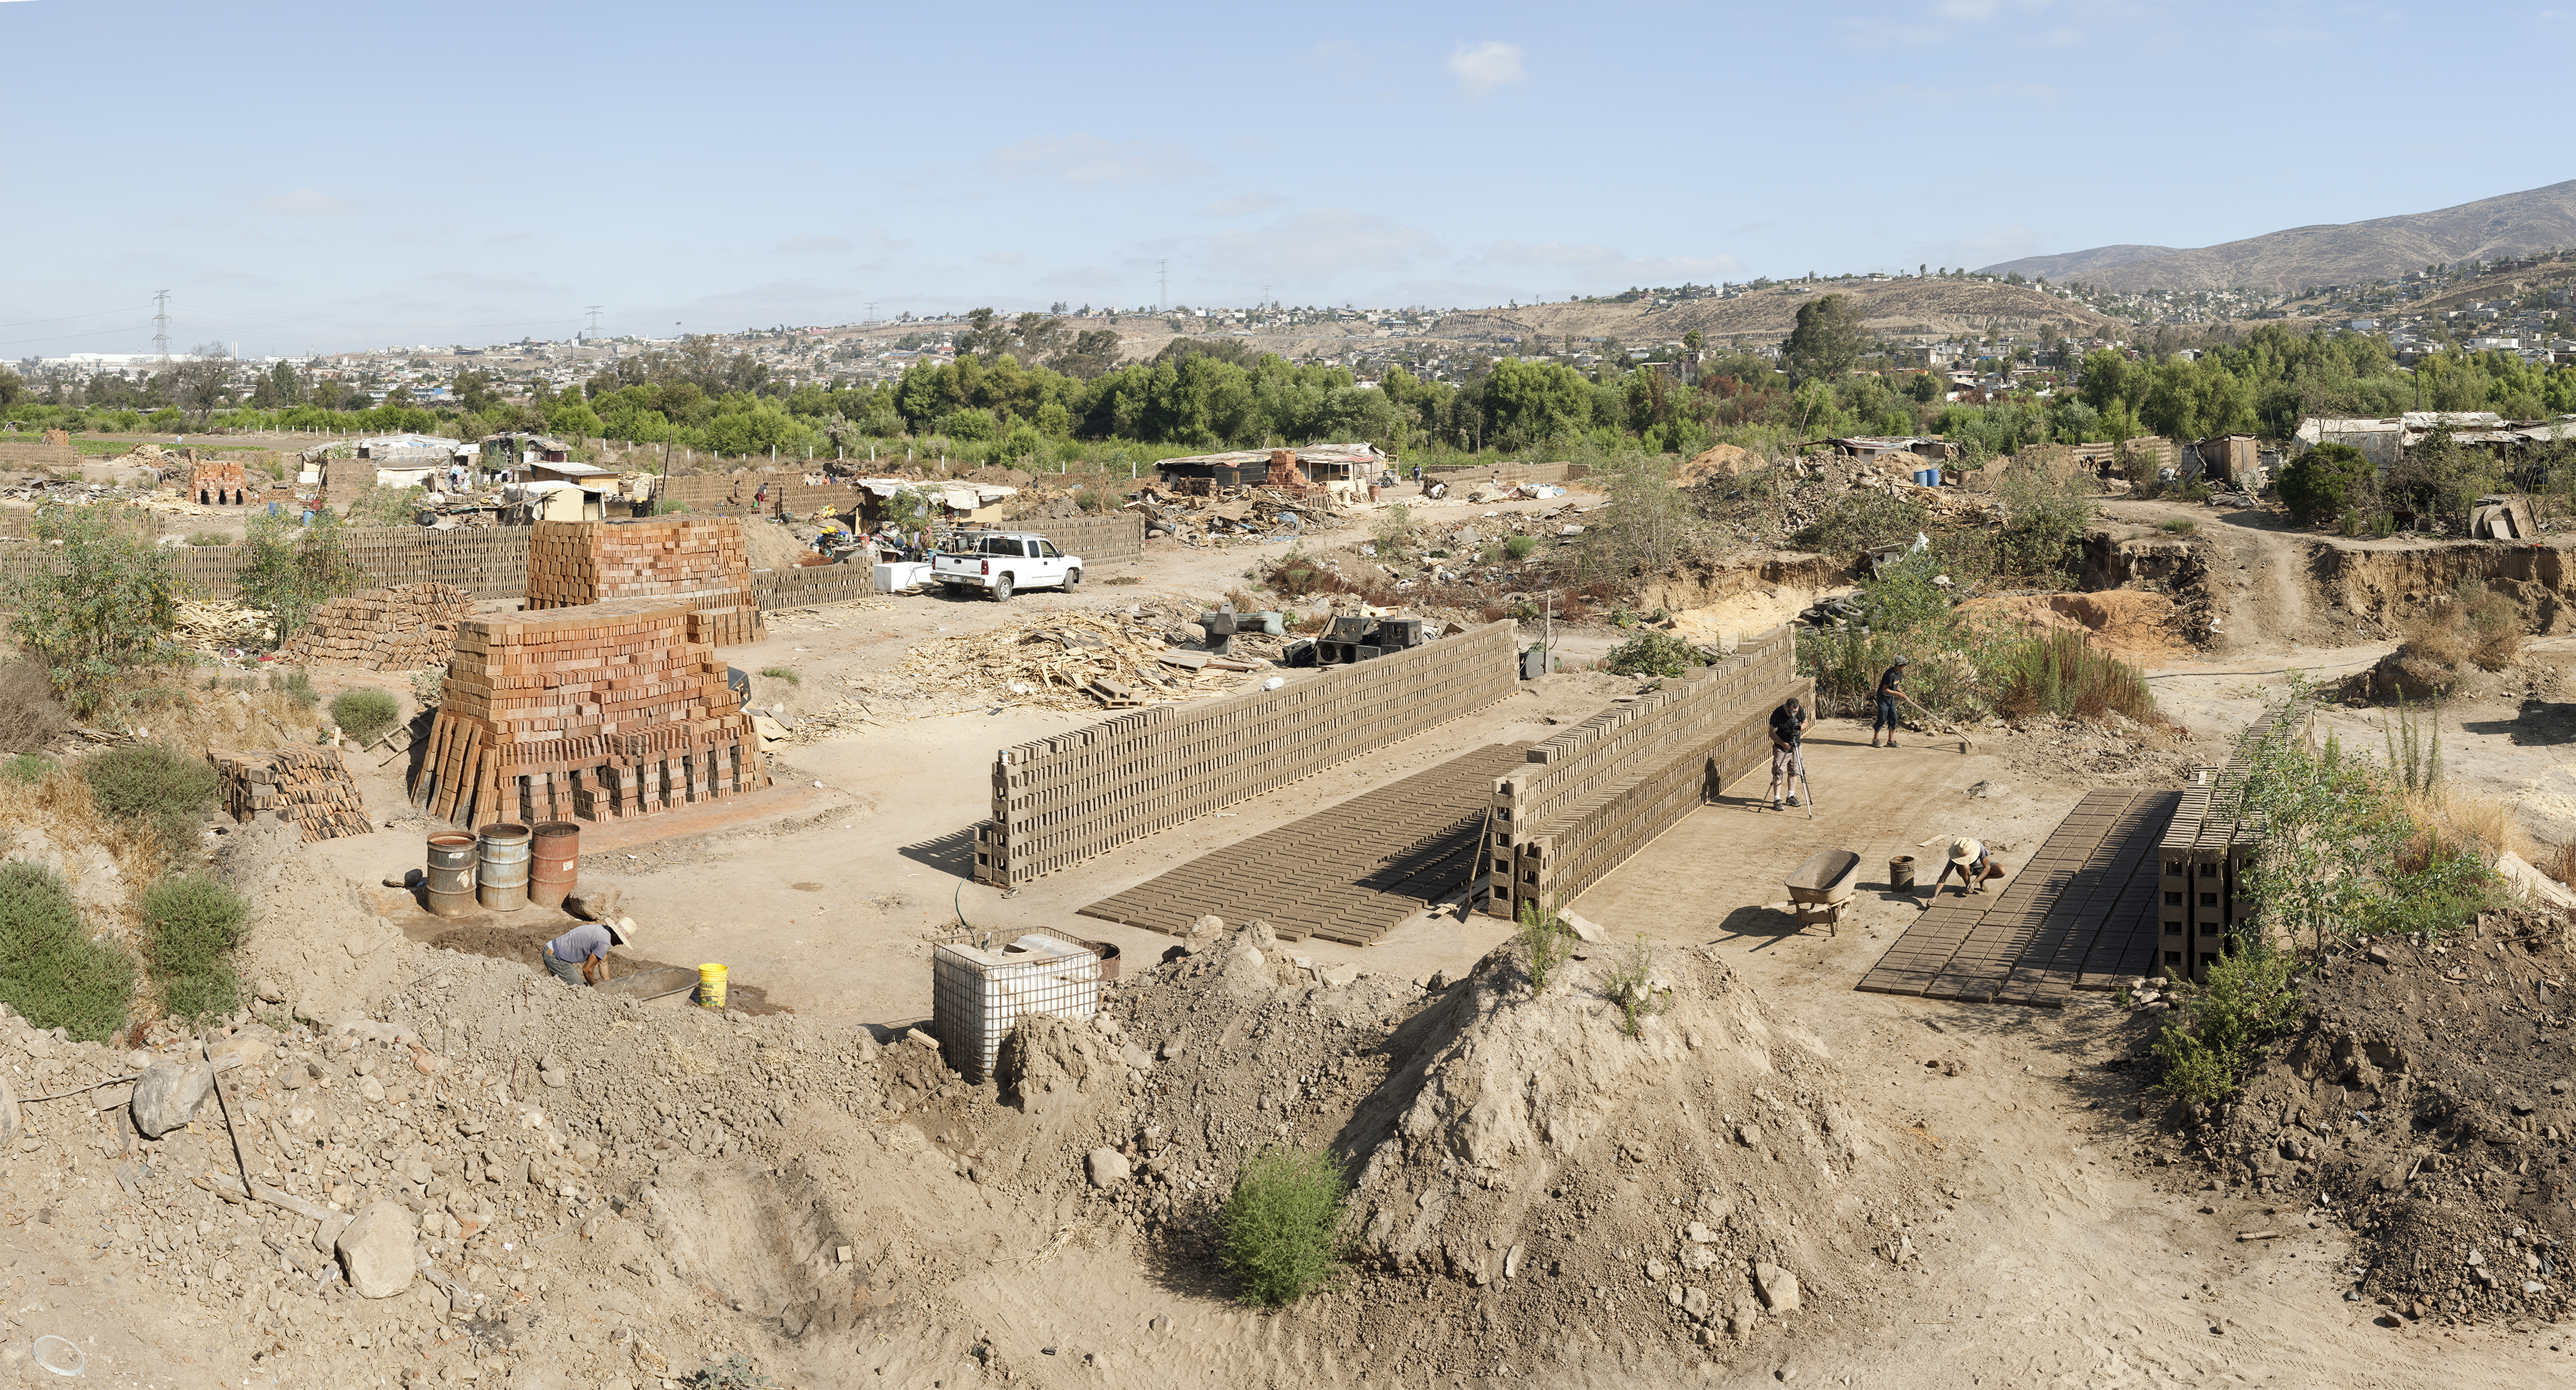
[
  {"x": 1974, "y": 863},
  {"x": 580, "y": 956}
]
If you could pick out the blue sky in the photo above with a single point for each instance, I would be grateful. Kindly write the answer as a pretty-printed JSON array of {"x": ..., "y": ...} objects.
[{"x": 341, "y": 176}]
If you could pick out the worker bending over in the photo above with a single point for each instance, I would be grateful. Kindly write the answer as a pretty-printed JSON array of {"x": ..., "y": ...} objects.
[
  {"x": 1974, "y": 863},
  {"x": 1788, "y": 762},
  {"x": 580, "y": 956}
]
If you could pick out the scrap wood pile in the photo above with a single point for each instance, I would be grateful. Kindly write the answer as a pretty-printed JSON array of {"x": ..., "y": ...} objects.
[
  {"x": 1063, "y": 661},
  {"x": 216, "y": 623},
  {"x": 399, "y": 629},
  {"x": 308, "y": 788},
  {"x": 1768, "y": 504},
  {"x": 1235, "y": 516}
]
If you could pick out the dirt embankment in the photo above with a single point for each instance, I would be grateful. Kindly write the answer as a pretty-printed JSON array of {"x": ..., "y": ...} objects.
[{"x": 2425, "y": 1103}]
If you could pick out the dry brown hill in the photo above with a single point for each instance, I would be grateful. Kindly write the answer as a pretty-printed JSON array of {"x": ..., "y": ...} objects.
[
  {"x": 2516, "y": 224},
  {"x": 1897, "y": 308}
]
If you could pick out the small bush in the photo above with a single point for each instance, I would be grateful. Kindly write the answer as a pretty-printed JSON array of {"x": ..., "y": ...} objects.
[
  {"x": 365, "y": 715},
  {"x": 28, "y": 769},
  {"x": 149, "y": 781},
  {"x": 297, "y": 685},
  {"x": 202, "y": 998},
  {"x": 2179, "y": 525},
  {"x": 1856, "y": 521},
  {"x": 50, "y": 971},
  {"x": 1631, "y": 986},
  {"x": 1652, "y": 654},
  {"x": 782, "y": 673},
  {"x": 191, "y": 924},
  {"x": 2062, "y": 673},
  {"x": 1280, "y": 1232},
  {"x": 2246, "y": 1001},
  {"x": 204, "y": 539},
  {"x": 735, "y": 1372},
  {"x": 1544, "y": 944},
  {"x": 1394, "y": 531},
  {"x": 1520, "y": 547},
  {"x": 2326, "y": 481}
]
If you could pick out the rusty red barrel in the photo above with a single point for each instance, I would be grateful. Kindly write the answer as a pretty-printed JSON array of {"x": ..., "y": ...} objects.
[
  {"x": 555, "y": 863},
  {"x": 501, "y": 877},
  {"x": 450, "y": 876}
]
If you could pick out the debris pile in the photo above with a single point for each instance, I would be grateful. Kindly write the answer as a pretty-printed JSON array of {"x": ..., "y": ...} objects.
[
  {"x": 308, "y": 788},
  {"x": 1235, "y": 516},
  {"x": 215, "y": 624},
  {"x": 2422, "y": 1105},
  {"x": 398, "y": 629},
  {"x": 1116, "y": 659},
  {"x": 1766, "y": 506}
]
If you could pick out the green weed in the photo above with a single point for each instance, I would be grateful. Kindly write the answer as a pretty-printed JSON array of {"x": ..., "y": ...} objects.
[
  {"x": 1280, "y": 1232},
  {"x": 51, "y": 972}
]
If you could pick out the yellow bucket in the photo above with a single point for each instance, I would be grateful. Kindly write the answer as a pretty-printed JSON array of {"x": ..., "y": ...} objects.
[{"x": 711, "y": 986}]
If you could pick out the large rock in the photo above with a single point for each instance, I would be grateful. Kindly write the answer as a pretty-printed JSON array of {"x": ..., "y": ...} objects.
[
  {"x": 168, "y": 1096},
  {"x": 1107, "y": 1168},
  {"x": 9, "y": 1124},
  {"x": 375, "y": 1250},
  {"x": 1779, "y": 1288}
]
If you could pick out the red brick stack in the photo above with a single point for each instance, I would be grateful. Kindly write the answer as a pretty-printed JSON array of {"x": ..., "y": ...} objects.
[
  {"x": 699, "y": 563},
  {"x": 607, "y": 710},
  {"x": 401, "y": 629},
  {"x": 308, "y": 788}
]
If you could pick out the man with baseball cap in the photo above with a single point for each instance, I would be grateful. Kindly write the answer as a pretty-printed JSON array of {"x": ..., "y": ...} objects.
[
  {"x": 1974, "y": 863},
  {"x": 1891, "y": 688},
  {"x": 580, "y": 956},
  {"x": 1788, "y": 763}
]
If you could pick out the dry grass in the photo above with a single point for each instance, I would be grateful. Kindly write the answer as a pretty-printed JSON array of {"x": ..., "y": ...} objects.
[
  {"x": 2474, "y": 627},
  {"x": 58, "y": 807},
  {"x": 30, "y": 716},
  {"x": 2451, "y": 817}
]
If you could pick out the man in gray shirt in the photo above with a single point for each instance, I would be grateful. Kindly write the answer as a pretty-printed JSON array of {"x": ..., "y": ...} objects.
[{"x": 580, "y": 956}]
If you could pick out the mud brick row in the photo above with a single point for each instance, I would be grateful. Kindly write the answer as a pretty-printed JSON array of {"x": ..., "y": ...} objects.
[
  {"x": 1592, "y": 796},
  {"x": 1061, "y": 800},
  {"x": 701, "y": 563},
  {"x": 1351, "y": 873},
  {"x": 602, "y": 711},
  {"x": 400, "y": 629},
  {"x": 2202, "y": 892},
  {"x": 308, "y": 788},
  {"x": 803, "y": 586}
]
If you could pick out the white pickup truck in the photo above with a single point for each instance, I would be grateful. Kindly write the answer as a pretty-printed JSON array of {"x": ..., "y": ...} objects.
[{"x": 1005, "y": 561}]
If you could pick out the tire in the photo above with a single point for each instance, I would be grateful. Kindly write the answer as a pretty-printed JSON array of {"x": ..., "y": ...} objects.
[
  {"x": 1072, "y": 580},
  {"x": 1001, "y": 588}
]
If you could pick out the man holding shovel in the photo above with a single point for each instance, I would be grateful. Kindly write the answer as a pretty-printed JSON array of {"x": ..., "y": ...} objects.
[
  {"x": 1788, "y": 762},
  {"x": 1891, "y": 688}
]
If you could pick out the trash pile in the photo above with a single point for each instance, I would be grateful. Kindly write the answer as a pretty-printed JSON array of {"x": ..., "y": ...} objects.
[
  {"x": 1235, "y": 516},
  {"x": 221, "y": 624},
  {"x": 1765, "y": 506},
  {"x": 1120, "y": 658}
]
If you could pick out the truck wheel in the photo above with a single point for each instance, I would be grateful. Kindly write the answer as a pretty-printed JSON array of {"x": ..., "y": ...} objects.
[
  {"x": 1072, "y": 580},
  {"x": 1001, "y": 588}
]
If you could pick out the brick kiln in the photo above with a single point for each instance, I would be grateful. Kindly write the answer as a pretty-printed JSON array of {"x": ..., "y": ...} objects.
[
  {"x": 607, "y": 710},
  {"x": 218, "y": 482},
  {"x": 699, "y": 563}
]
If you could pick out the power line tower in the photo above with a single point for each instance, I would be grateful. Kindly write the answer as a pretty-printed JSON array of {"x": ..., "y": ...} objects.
[
  {"x": 161, "y": 323},
  {"x": 872, "y": 313},
  {"x": 1163, "y": 277},
  {"x": 594, "y": 320}
]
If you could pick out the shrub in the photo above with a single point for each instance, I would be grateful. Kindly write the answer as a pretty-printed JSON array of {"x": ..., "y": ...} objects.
[
  {"x": 2325, "y": 481},
  {"x": 151, "y": 784},
  {"x": 210, "y": 538},
  {"x": 1652, "y": 654},
  {"x": 1630, "y": 985},
  {"x": 782, "y": 673},
  {"x": 365, "y": 715},
  {"x": 2179, "y": 525},
  {"x": 1394, "y": 532},
  {"x": 104, "y": 611},
  {"x": 735, "y": 1372},
  {"x": 29, "y": 768},
  {"x": 1280, "y": 1232},
  {"x": 2245, "y": 1002},
  {"x": 1856, "y": 521},
  {"x": 1544, "y": 944},
  {"x": 50, "y": 972},
  {"x": 2063, "y": 673},
  {"x": 191, "y": 925},
  {"x": 297, "y": 683},
  {"x": 1520, "y": 547},
  {"x": 292, "y": 570}
]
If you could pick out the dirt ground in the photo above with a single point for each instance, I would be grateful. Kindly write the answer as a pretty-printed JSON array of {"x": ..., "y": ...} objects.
[{"x": 1967, "y": 1195}]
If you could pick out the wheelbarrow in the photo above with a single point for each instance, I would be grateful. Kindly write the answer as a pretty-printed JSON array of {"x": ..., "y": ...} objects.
[{"x": 1821, "y": 888}]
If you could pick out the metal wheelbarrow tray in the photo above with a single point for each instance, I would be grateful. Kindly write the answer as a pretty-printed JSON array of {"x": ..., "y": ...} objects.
[{"x": 1820, "y": 888}]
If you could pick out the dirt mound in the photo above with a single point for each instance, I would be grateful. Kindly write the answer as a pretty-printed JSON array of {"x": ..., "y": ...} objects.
[
  {"x": 772, "y": 546},
  {"x": 2134, "y": 625},
  {"x": 1717, "y": 461},
  {"x": 2427, "y": 1103}
]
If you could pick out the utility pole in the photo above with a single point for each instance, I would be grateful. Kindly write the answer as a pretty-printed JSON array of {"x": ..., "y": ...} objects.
[
  {"x": 872, "y": 314},
  {"x": 1163, "y": 277},
  {"x": 161, "y": 323}
]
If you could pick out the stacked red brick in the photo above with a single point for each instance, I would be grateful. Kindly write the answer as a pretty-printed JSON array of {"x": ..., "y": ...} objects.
[
  {"x": 308, "y": 788},
  {"x": 607, "y": 710},
  {"x": 402, "y": 629},
  {"x": 699, "y": 563},
  {"x": 218, "y": 483}
]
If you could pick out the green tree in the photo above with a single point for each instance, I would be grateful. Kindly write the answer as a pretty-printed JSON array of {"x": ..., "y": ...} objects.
[
  {"x": 2325, "y": 482},
  {"x": 1828, "y": 340},
  {"x": 1529, "y": 403},
  {"x": 101, "y": 610},
  {"x": 293, "y": 570}
]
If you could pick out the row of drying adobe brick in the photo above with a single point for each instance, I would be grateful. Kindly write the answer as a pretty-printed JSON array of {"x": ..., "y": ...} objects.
[{"x": 1061, "y": 800}]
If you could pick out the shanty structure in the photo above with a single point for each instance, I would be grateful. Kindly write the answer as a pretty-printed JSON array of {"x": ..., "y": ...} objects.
[
  {"x": 950, "y": 501},
  {"x": 2381, "y": 439},
  {"x": 1340, "y": 469},
  {"x": 598, "y": 712}
]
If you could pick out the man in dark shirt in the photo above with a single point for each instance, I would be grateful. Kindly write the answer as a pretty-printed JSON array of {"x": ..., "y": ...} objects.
[
  {"x": 1891, "y": 688},
  {"x": 1788, "y": 762}
]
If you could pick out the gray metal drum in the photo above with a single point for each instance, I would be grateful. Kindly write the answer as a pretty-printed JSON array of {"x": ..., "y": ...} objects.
[
  {"x": 501, "y": 879},
  {"x": 450, "y": 876}
]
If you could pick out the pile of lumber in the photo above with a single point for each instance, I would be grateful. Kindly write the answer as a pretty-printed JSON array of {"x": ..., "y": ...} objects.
[
  {"x": 307, "y": 788},
  {"x": 701, "y": 564},
  {"x": 404, "y": 629},
  {"x": 605, "y": 710}
]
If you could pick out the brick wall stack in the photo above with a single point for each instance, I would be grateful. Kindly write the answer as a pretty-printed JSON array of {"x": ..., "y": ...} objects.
[
  {"x": 698, "y": 563},
  {"x": 1115, "y": 538},
  {"x": 402, "y": 629},
  {"x": 595, "y": 712},
  {"x": 806, "y": 585},
  {"x": 1597, "y": 793},
  {"x": 28, "y": 453},
  {"x": 308, "y": 788},
  {"x": 732, "y": 494},
  {"x": 218, "y": 482},
  {"x": 1061, "y": 800}
]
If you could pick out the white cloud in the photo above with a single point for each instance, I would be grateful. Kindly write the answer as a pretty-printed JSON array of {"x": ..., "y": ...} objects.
[
  {"x": 813, "y": 245},
  {"x": 1483, "y": 67},
  {"x": 1001, "y": 258},
  {"x": 1086, "y": 160},
  {"x": 1243, "y": 204},
  {"x": 1599, "y": 264},
  {"x": 1319, "y": 243},
  {"x": 305, "y": 202}
]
